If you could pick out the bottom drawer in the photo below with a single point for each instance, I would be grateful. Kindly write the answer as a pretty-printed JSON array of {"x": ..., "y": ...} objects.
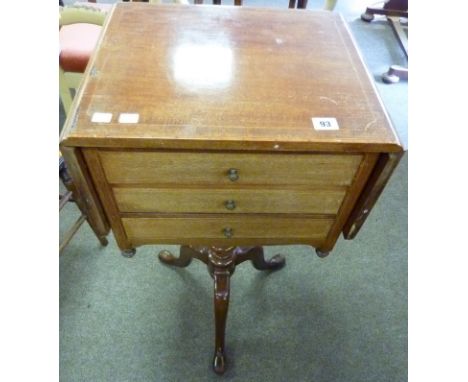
[{"x": 227, "y": 230}]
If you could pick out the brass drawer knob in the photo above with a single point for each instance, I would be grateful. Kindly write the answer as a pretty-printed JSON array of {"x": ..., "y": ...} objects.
[
  {"x": 230, "y": 204},
  {"x": 233, "y": 174},
  {"x": 228, "y": 232}
]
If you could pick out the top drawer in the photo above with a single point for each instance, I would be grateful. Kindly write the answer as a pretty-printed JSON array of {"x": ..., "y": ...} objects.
[{"x": 230, "y": 169}]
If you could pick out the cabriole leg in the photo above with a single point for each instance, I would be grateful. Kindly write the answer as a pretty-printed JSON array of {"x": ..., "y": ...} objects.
[
  {"x": 259, "y": 262},
  {"x": 221, "y": 304},
  {"x": 186, "y": 255},
  {"x": 257, "y": 257}
]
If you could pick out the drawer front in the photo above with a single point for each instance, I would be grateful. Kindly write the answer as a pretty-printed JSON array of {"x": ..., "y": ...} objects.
[
  {"x": 229, "y": 169},
  {"x": 226, "y": 230},
  {"x": 319, "y": 201}
]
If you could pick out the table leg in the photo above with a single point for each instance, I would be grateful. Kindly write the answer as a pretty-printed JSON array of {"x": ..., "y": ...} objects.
[
  {"x": 182, "y": 261},
  {"x": 221, "y": 277},
  {"x": 186, "y": 255},
  {"x": 129, "y": 252},
  {"x": 321, "y": 254},
  {"x": 221, "y": 264},
  {"x": 257, "y": 257}
]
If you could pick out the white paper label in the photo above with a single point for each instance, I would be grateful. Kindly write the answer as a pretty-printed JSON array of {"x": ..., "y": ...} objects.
[
  {"x": 101, "y": 117},
  {"x": 325, "y": 124},
  {"x": 129, "y": 118}
]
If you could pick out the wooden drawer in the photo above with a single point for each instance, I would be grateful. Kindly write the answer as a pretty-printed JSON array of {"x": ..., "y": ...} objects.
[
  {"x": 210, "y": 230},
  {"x": 318, "y": 201},
  {"x": 150, "y": 167}
]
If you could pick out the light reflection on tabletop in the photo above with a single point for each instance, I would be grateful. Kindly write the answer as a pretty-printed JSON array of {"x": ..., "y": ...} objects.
[{"x": 203, "y": 66}]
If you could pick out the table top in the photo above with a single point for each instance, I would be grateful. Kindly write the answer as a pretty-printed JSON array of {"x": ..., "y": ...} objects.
[{"x": 221, "y": 77}]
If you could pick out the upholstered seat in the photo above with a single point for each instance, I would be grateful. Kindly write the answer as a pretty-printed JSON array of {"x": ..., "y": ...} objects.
[
  {"x": 80, "y": 27},
  {"x": 77, "y": 42}
]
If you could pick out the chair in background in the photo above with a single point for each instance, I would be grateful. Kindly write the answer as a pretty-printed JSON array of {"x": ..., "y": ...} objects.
[
  {"x": 397, "y": 72},
  {"x": 302, "y": 4},
  {"x": 80, "y": 26},
  {"x": 157, "y": 1},
  {"x": 72, "y": 196},
  {"x": 395, "y": 10},
  {"x": 218, "y": 2}
]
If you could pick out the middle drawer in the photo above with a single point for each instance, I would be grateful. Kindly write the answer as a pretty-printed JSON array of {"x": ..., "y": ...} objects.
[{"x": 168, "y": 200}]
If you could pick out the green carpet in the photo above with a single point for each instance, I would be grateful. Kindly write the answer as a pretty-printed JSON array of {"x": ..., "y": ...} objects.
[{"x": 342, "y": 318}]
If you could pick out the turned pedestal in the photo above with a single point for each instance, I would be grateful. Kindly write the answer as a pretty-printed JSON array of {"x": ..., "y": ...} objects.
[{"x": 221, "y": 264}]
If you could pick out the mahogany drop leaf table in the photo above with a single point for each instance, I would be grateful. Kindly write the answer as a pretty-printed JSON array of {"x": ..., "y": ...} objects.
[{"x": 225, "y": 129}]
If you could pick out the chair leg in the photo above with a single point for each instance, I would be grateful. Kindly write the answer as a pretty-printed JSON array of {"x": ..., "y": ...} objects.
[
  {"x": 71, "y": 232},
  {"x": 394, "y": 74},
  {"x": 65, "y": 94},
  {"x": 330, "y": 5}
]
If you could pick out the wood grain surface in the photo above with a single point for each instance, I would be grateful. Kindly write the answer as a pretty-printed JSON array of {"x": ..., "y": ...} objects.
[
  {"x": 235, "y": 201},
  {"x": 244, "y": 78},
  {"x": 246, "y": 230},
  {"x": 172, "y": 167},
  {"x": 210, "y": 126}
]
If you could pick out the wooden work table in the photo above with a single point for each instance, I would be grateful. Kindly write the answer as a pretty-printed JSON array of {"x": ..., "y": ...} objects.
[{"x": 223, "y": 129}]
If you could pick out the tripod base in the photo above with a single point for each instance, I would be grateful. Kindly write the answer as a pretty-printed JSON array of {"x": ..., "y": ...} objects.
[{"x": 221, "y": 264}]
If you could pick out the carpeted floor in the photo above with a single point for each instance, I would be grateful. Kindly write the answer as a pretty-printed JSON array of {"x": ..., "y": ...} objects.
[{"x": 342, "y": 318}]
